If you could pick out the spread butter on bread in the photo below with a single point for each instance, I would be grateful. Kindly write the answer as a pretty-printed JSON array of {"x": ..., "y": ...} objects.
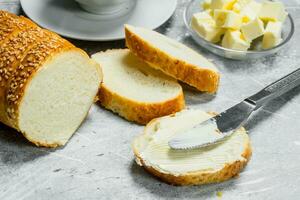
[{"x": 211, "y": 164}]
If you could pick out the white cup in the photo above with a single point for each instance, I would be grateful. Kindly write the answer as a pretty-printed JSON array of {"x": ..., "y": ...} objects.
[{"x": 103, "y": 7}]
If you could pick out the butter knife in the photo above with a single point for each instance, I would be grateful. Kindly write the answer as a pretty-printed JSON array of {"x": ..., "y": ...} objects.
[{"x": 233, "y": 118}]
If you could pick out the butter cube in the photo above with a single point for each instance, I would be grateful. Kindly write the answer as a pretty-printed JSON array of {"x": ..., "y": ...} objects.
[
  {"x": 253, "y": 29},
  {"x": 220, "y": 16},
  {"x": 205, "y": 26},
  {"x": 227, "y": 19},
  {"x": 250, "y": 11},
  {"x": 272, "y": 35},
  {"x": 234, "y": 40},
  {"x": 206, "y": 4},
  {"x": 240, "y": 4},
  {"x": 203, "y": 17},
  {"x": 210, "y": 12},
  {"x": 272, "y": 11},
  {"x": 222, "y": 4},
  {"x": 233, "y": 21}
]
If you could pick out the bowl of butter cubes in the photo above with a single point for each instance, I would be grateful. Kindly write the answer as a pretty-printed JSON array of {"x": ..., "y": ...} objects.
[{"x": 239, "y": 29}]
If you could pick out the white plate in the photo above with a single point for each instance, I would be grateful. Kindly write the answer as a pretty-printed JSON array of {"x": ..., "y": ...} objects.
[{"x": 67, "y": 19}]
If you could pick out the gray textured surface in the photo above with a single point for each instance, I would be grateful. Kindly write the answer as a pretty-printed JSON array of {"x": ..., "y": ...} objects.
[{"x": 98, "y": 163}]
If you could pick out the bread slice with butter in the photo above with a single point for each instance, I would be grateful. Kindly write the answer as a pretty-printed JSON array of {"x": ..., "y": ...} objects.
[
  {"x": 173, "y": 58},
  {"x": 134, "y": 90},
  {"x": 189, "y": 167},
  {"x": 47, "y": 85}
]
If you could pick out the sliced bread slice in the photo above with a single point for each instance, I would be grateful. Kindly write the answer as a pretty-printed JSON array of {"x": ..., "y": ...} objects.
[
  {"x": 189, "y": 167},
  {"x": 173, "y": 58},
  {"x": 134, "y": 90}
]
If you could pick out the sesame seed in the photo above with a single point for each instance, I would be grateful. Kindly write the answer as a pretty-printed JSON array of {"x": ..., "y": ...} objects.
[{"x": 17, "y": 63}]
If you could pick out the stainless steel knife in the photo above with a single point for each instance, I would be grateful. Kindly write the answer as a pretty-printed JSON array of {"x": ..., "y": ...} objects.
[{"x": 228, "y": 121}]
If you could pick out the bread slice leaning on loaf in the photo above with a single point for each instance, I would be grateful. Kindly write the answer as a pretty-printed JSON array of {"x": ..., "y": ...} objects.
[
  {"x": 47, "y": 85},
  {"x": 134, "y": 90},
  {"x": 189, "y": 167},
  {"x": 173, "y": 58}
]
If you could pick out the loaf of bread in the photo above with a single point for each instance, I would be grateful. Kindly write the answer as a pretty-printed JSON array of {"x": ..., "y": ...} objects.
[
  {"x": 47, "y": 85},
  {"x": 134, "y": 90},
  {"x": 173, "y": 58},
  {"x": 189, "y": 167}
]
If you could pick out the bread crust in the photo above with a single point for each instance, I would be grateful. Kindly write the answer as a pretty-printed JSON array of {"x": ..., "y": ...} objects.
[
  {"x": 11, "y": 54},
  {"x": 139, "y": 112},
  {"x": 12, "y": 24},
  {"x": 25, "y": 48},
  {"x": 43, "y": 50},
  {"x": 198, "y": 177},
  {"x": 203, "y": 79}
]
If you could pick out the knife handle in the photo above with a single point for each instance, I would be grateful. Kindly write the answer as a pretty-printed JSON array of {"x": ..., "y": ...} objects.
[{"x": 275, "y": 89}]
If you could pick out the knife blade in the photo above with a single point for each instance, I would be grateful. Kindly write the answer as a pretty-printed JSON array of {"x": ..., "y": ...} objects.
[{"x": 224, "y": 124}]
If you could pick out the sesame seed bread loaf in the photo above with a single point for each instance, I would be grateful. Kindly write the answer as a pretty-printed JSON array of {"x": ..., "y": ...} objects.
[
  {"x": 10, "y": 25},
  {"x": 189, "y": 167},
  {"x": 134, "y": 90},
  {"x": 47, "y": 85},
  {"x": 173, "y": 58}
]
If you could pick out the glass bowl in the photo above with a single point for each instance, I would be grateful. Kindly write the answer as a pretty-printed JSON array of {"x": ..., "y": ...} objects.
[{"x": 194, "y": 7}]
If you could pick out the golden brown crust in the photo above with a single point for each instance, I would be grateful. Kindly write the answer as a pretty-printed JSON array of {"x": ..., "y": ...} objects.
[
  {"x": 138, "y": 112},
  {"x": 203, "y": 79},
  {"x": 11, "y": 54},
  {"x": 198, "y": 177},
  {"x": 34, "y": 59},
  {"x": 24, "y": 49},
  {"x": 42, "y": 144},
  {"x": 10, "y": 24}
]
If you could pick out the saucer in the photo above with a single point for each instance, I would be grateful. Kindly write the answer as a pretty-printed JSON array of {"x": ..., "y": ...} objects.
[{"x": 66, "y": 18}]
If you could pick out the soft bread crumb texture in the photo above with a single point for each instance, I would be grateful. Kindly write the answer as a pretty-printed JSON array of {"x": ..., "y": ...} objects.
[
  {"x": 173, "y": 58},
  {"x": 134, "y": 90},
  {"x": 42, "y": 80},
  {"x": 58, "y": 98},
  {"x": 189, "y": 167}
]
